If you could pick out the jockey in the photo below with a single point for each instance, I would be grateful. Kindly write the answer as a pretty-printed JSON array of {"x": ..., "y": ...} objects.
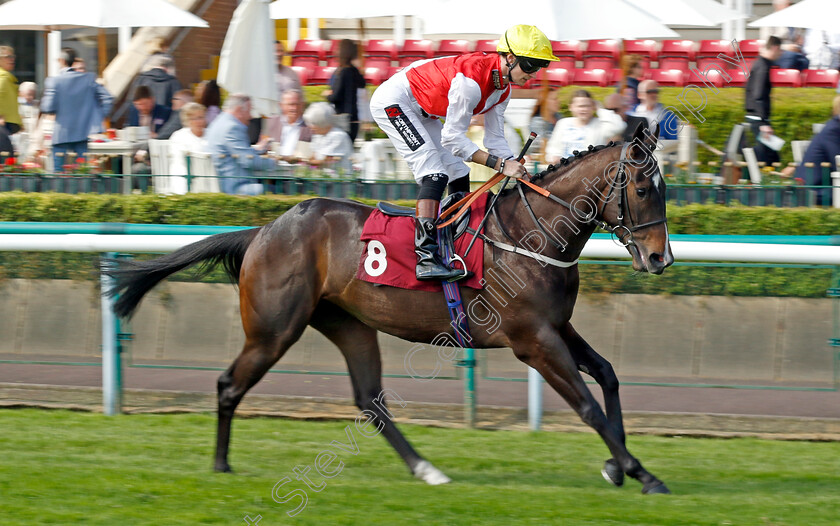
[{"x": 409, "y": 107}]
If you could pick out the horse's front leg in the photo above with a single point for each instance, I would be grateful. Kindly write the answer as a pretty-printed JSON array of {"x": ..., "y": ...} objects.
[
  {"x": 596, "y": 366},
  {"x": 546, "y": 352}
]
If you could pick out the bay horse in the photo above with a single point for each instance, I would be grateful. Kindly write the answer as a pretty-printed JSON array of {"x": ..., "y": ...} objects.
[{"x": 299, "y": 270}]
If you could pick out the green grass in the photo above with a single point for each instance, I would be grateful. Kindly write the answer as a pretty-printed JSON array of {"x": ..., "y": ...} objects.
[{"x": 59, "y": 467}]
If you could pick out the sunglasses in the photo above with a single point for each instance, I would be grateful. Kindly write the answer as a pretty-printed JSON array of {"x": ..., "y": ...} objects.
[
  {"x": 652, "y": 91},
  {"x": 531, "y": 65}
]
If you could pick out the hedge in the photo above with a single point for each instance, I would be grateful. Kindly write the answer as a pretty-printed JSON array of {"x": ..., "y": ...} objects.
[{"x": 217, "y": 209}]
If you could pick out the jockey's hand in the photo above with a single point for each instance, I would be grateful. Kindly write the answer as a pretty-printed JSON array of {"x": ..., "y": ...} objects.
[{"x": 515, "y": 169}]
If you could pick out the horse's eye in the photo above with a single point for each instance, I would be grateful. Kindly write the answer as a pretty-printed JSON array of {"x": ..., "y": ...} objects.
[{"x": 641, "y": 192}]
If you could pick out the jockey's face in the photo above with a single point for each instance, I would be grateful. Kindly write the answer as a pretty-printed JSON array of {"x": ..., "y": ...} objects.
[{"x": 519, "y": 77}]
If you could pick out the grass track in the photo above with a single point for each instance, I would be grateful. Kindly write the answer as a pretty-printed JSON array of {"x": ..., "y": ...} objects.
[{"x": 60, "y": 467}]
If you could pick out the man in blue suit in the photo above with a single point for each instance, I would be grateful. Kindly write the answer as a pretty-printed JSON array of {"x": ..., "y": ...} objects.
[
  {"x": 824, "y": 147},
  {"x": 79, "y": 103},
  {"x": 233, "y": 157}
]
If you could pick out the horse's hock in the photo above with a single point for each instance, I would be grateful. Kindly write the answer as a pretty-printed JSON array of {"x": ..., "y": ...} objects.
[{"x": 688, "y": 339}]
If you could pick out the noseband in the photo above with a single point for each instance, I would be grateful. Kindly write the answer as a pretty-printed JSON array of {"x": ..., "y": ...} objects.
[{"x": 619, "y": 185}]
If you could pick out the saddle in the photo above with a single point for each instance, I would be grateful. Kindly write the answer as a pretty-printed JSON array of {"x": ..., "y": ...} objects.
[{"x": 450, "y": 232}]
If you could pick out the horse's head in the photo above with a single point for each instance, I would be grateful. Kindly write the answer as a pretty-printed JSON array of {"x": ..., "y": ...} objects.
[{"x": 636, "y": 208}]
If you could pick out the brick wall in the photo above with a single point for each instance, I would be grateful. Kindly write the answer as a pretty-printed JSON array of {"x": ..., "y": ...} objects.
[{"x": 197, "y": 49}]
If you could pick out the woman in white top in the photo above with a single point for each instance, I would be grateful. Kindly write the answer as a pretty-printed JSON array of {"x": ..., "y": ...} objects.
[
  {"x": 331, "y": 146},
  {"x": 189, "y": 139},
  {"x": 587, "y": 126}
]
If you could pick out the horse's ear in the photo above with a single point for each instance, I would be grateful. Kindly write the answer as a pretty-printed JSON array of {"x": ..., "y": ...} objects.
[{"x": 644, "y": 140}]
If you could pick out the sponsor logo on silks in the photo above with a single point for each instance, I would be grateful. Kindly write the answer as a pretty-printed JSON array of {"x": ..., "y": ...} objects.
[
  {"x": 407, "y": 130},
  {"x": 497, "y": 79}
]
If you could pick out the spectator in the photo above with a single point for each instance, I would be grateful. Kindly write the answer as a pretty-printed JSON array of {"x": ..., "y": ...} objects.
[
  {"x": 159, "y": 80},
  {"x": 617, "y": 103},
  {"x": 651, "y": 109},
  {"x": 288, "y": 129},
  {"x": 783, "y": 33},
  {"x": 631, "y": 73},
  {"x": 79, "y": 65},
  {"x": 181, "y": 98},
  {"x": 824, "y": 147},
  {"x": 9, "y": 90},
  {"x": 157, "y": 47},
  {"x": 209, "y": 95},
  {"x": 28, "y": 106},
  {"x": 146, "y": 112},
  {"x": 6, "y": 148},
  {"x": 544, "y": 117},
  {"x": 331, "y": 146},
  {"x": 189, "y": 139},
  {"x": 585, "y": 127},
  {"x": 822, "y": 48},
  {"x": 233, "y": 157},
  {"x": 792, "y": 55},
  {"x": 286, "y": 77},
  {"x": 79, "y": 103},
  {"x": 757, "y": 99},
  {"x": 345, "y": 83}
]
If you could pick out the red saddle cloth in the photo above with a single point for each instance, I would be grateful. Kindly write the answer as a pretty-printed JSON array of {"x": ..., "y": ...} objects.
[{"x": 389, "y": 258}]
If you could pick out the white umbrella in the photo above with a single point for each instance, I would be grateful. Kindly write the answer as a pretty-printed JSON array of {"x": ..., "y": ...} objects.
[
  {"x": 811, "y": 14},
  {"x": 340, "y": 9},
  {"x": 566, "y": 20},
  {"x": 707, "y": 13},
  {"x": 49, "y": 15},
  {"x": 247, "y": 63}
]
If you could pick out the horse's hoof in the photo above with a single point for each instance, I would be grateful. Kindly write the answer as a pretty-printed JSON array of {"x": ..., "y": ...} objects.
[
  {"x": 224, "y": 468},
  {"x": 425, "y": 471},
  {"x": 612, "y": 473},
  {"x": 657, "y": 487}
]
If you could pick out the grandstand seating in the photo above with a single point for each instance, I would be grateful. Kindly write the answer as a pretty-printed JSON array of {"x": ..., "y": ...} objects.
[
  {"x": 567, "y": 48},
  {"x": 668, "y": 77},
  {"x": 487, "y": 46},
  {"x": 590, "y": 77},
  {"x": 821, "y": 78},
  {"x": 677, "y": 61},
  {"x": 452, "y": 47},
  {"x": 786, "y": 78},
  {"x": 381, "y": 48},
  {"x": 416, "y": 49}
]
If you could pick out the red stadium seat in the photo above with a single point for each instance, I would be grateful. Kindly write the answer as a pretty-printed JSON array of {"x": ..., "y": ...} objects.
[
  {"x": 332, "y": 62},
  {"x": 381, "y": 48},
  {"x": 378, "y": 62},
  {"x": 599, "y": 63},
  {"x": 565, "y": 63},
  {"x": 375, "y": 76},
  {"x": 416, "y": 49},
  {"x": 452, "y": 47},
  {"x": 669, "y": 77},
  {"x": 557, "y": 77},
  {"x": 391, "y": 71},
  {"x": 680, "y": 63},
  {"x": 739, "y": 78},
  {"x": 487, "y": 46},
  {"x": 332, "y": 48},
  {"x": 319, "y": 75},
  {"x": 750, "y": 48},
  {"x": 602, "y": 48},
  {"x": 705, "y": 62},
  {"x": 590, "y": 77},
  {"x": 312, "y": 48},
  {"x": 713, "y": 48},
  {"x": 822, "y": 78},
  {"x": 567, "y": 48},
  {"x": 302, "y": 73},
  {"x": 615, "y": 78},
  {"x": 305, "y": 62},
  {"x": 645, "y": 48},
  {"x": 786, "y": 78},
  {"x": 713, "y": 76},
  {"x": 676, "y": 48},
  {"x": 405, "y": 61}
]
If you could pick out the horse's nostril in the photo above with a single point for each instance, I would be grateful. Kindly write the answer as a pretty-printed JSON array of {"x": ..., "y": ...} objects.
[{"x": 657, "y": 258}]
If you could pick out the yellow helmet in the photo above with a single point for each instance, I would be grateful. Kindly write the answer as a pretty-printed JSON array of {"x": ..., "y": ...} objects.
[{"x": 526, "y": 41}]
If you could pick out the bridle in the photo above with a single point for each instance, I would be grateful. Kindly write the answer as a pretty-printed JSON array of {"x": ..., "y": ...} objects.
[{"x": 622, "y": 232}]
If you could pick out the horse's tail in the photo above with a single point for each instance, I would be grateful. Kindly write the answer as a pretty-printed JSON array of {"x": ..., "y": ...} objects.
[{"x": 133, "y": 279}]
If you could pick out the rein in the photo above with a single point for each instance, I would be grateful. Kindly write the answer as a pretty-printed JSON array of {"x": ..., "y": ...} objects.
[{"x": 618, "y": 184}]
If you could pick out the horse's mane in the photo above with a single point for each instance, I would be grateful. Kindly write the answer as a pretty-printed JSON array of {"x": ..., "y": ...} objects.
[{"x": 568, "y": 162}]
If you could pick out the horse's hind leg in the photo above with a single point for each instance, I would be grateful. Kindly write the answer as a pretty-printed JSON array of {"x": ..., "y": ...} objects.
[
  {"x": 596, "y": 366},
  {"x": 552, "y": 358},
  {"x": 360, "y": 348},
  {"x": 264, "y": 345}
]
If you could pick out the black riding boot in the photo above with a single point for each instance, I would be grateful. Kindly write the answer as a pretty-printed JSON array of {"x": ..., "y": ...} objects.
[{"x": 429, "y": 264}]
